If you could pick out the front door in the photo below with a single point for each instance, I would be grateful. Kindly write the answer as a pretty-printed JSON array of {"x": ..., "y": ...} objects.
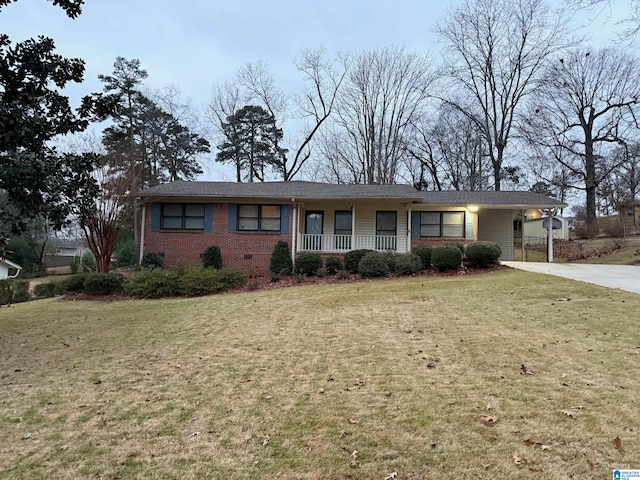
[{"x": 313, "y": 228}]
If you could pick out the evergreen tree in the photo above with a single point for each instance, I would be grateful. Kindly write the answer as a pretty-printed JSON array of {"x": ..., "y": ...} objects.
[{"x": 251, "y": 143}]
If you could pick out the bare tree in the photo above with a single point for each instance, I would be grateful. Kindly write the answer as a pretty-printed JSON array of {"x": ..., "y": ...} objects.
[
  {"x": 385, "y": 91},
  {"x": 606, "y": 7},
  {"x": 254, "y": 84},
  {"x": 584, "y": 110},
  {"x": 496, "y": 48}
]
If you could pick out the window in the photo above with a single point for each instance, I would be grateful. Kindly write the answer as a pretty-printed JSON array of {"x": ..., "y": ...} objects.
[
  {"x": 385, "y": 228},
  {"x": 259, "y": 218},
  {"x": 342, "y": 229},
  {"x": 182, "y": 216},
  {"x": 442, "y": 224}
]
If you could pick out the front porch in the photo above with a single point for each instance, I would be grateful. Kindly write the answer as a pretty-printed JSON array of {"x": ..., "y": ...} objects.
[{"x": 331, "y": 243}]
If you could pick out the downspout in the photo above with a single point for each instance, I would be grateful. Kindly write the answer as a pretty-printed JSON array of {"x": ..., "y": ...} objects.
[{"x": 144, "y": 216}]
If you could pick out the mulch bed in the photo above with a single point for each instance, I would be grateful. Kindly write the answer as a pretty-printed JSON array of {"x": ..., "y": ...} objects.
[{"x": 265, "y": 283}]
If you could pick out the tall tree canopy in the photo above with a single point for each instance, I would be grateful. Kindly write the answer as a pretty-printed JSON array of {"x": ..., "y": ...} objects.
[
  {"x": 496, "y": 49},
  {"x": 34, "y": 178},
  {"x": 585, "y": 109},
  {"x": 251, "y": 143},
  {"x": 156, "y": 144}
]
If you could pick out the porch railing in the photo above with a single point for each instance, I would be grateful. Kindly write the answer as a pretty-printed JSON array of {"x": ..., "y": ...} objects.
[{"x": 328, "y": 243}]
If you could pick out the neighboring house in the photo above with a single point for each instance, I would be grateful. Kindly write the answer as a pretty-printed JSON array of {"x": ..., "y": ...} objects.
[
  {"x": 8, "y": 269},
  {"x": 64, "y": 255},
  {"x": 535, "y": 225},
  {"x": 181, "y": 219},
  {"x": 630, "y": 213}
]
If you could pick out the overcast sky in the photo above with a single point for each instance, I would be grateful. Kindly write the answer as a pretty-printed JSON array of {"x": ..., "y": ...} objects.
[{"x": 195, "y": 44}]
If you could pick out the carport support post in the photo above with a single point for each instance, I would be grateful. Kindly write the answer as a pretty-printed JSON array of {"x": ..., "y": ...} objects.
[
  {"x": 551, "y": 213},
  {"x": 523, "y": 251}
]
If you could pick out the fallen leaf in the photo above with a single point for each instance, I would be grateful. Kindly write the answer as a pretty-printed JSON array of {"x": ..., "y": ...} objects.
[
  {"x": 618, "y": 444},
  {"x": 489, "y": 419},
  {"x": 524, "y": 370},
  {"x": 265, "y": 439},
  {"x": 194, "y": 434},
  {"x": 529, "y": 443},
  {"x": 353, "y": 461},
  {"x": 26, "y": 436},
  {"x": 537, "y": 470},
  {"x": 391, "y": 476},
  {"x": 516, "y": 458},
  {"x": 246, "y": 437},
  {"x": 593, "y": 463},
  {"x": 341, "y": 433},
  {"x": 569, "y": 414},
  {"x": 545, "y": 447},
  {"x": 353, "y": 421}
]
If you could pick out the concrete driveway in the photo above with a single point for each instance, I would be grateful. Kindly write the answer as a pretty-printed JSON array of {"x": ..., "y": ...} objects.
[{"x": 624, "y": 277}]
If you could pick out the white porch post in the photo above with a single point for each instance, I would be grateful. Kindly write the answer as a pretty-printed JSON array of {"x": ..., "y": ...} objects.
[
  {"x": 523, "y": 251},
  {"x": 551, "y": 213},
  {"x": 408, "y": 228},
  {"x": 353, "y": 227}
]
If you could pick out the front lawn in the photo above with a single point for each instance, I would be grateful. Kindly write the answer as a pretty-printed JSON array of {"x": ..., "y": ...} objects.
[{"x": 502, "y": 375}]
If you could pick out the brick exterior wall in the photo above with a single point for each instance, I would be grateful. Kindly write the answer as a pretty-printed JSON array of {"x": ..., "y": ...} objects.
[
  {"x": 438, "y": 242},
  {"x": 250, "y": 251}
]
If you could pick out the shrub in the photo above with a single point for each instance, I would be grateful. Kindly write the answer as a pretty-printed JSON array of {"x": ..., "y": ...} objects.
[
  {"x": 446, "y": 258},
  {"x": 103, "y": 283},
  {"x": 88, "y": 262},
  {"x": 342, "y": 275},
  {"x": 424, "y": 253},
  {"x": 46, "y": 290},
  {"x": 459, "y": 245},
  {"x": 75, "y": 265},
  {"x": 205, "y": 281},
  {"x": 280, "y": 263},
  {"x": 212, "y": 257},
  {"x": 152, "y": 283},
  {"x": 333, "y": 265},
  {"x": 73, "y": 284},
  {"x": 352, "y": 259},
  {"x": 125, "y": 253},
  {"x": 14, "y": 291},
  {"x": 152, "y": 260},
  {"x": 407, "y": 264},
  {"x": 392, "y": 259},
  {"x": 482, "y": 254},
  {"x": 373, "y": 264},
  {"x": 20, "y": 289},
  {"x": 308, "y": 264}
]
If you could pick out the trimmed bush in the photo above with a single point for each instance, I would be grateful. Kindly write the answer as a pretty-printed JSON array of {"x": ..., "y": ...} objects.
[
  {"x": 333, "y": 265},
  {"x": 373, "y": 264},
  {"x": 352, "y": 259},
  {"x": 407, "y": 264},
  {"x": 46, "y": 290},
  {"x": 280, "y": 263},
  {"x": 392, "y": 259},
  {"x": 212, "y": 257},
  {"x": 152, "y": 260},
  {"x": 446, "y": 257},
  {"x": 459, "y": 245},
  {"x": 72, "y": 284},
  {"x": 308, "y": 264},
  {"x": 103, "y": 283},
  {"x": 152, "y": 283},
  {"x": 424, "y": 253},
  {"x": 205, "y": 281},
  {"x": 14, "y": 291},
  {"x": 482, "y": 254}
]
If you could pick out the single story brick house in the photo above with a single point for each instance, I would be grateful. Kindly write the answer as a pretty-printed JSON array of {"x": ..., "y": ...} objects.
[{"x": 181, "y": 219}]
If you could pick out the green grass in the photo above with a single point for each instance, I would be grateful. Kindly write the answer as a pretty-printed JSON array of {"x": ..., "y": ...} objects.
[{"x": 288, "y": 383}]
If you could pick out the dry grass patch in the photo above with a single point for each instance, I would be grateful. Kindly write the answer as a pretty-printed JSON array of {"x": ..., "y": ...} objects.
[{"x": 421, "y": 377}]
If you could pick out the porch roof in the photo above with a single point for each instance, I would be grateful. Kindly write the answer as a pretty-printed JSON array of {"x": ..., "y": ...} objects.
[
  {"x": 286, "y": 191},
  {"x": 492, "y": 199}
]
